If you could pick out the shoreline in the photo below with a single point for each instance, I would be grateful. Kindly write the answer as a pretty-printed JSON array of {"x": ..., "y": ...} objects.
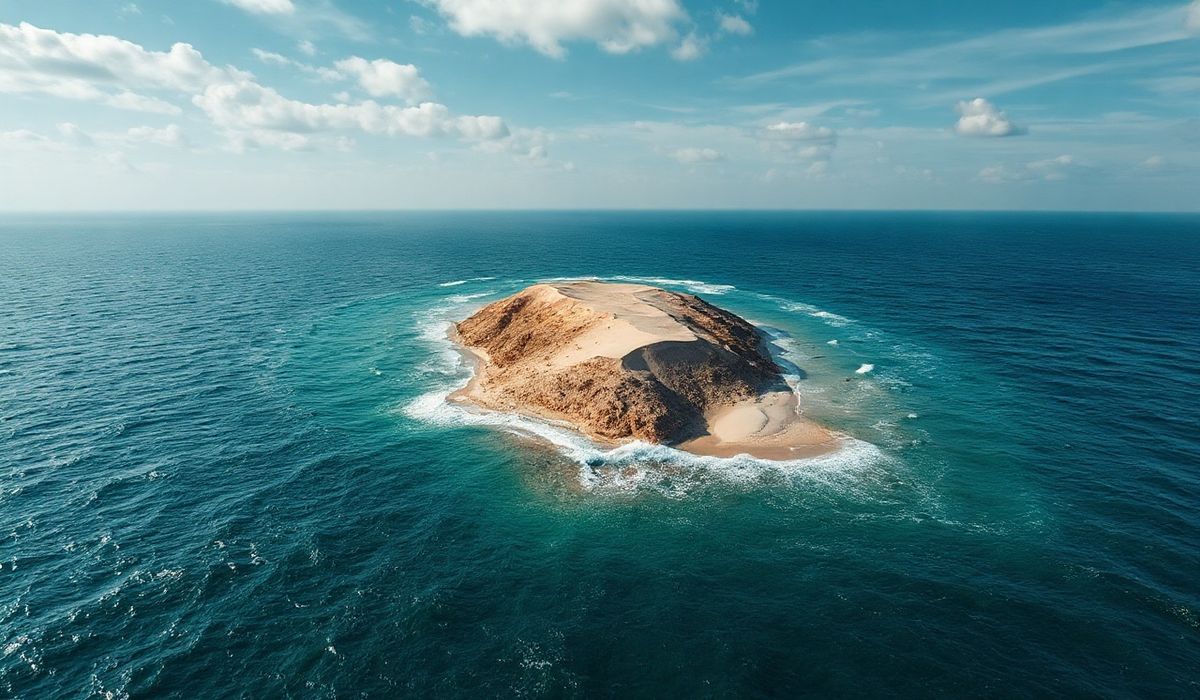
[{"x": 768, "y": 427}]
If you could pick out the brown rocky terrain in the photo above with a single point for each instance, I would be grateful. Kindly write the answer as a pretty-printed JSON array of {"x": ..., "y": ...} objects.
[{"x": 623, "y": 361}]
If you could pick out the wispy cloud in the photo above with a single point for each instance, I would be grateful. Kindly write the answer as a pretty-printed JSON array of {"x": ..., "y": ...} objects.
[
  {"x": 693, "y": 155},
  {"x": 264, "y": 7},
  {"x": 306, "y": 19},
  {"x": 995, "y": 63}
]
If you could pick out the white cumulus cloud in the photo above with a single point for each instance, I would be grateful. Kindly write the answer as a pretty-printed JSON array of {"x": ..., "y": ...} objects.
[
  {"x": 264, "y": 7},
  {"x": 384, "y": 78},
  {"x": 527, "y": 147},
  {"x": 106, "y": 69},
  {"x": 617, "y": 26},
  {"x": 246, "y": 106},
  {"x": 97, "y": 68},
  {"x": 978, "y": 117}
]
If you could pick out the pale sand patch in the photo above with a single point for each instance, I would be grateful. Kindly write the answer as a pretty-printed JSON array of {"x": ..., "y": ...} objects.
[
  {"x": 631, "y": 322},
  {"x": 739, "y": 422},
  {"x": 768, "y": 427}
]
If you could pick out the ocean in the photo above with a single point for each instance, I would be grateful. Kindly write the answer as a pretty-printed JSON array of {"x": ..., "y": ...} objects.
[{"x": 226, "y": 469}]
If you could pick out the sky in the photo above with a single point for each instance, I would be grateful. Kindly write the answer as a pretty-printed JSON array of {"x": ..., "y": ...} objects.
[{"x": 593, "y": 104}]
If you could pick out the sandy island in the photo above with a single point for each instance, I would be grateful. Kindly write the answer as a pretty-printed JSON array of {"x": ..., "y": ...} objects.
[{"x": 623, "y": 362}]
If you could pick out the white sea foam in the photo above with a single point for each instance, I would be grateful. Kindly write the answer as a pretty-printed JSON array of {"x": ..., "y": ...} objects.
[
  {"x": 798, "y": 307},
  {"x": 169, "y": 575},
  {"x": 433, "y": 328},
  {"x": 640, "y": 463},
  {"x": 456, "y": 283},
  {"x": 866, "y": 368},
  {"x": 785, "y": 348},
  {"x": 832, "y": 318},
  {"x": 833, "y": 342},
  {"x": 464, "y": 298},
  {"x": 693, "y": 286}
]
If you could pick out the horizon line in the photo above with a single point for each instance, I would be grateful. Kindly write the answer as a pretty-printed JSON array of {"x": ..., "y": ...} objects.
[{"x": 567, "y": 210}]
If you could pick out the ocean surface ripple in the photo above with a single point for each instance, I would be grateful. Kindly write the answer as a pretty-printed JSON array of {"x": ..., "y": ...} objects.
[{"x": 227, "y": 467}]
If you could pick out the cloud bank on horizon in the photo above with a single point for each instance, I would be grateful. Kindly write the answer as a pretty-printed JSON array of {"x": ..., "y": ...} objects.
[{"x": 266, "y": 104}]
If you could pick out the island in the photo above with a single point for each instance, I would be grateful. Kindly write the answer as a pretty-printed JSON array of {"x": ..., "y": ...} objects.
[{"x": 624, "y": 362}]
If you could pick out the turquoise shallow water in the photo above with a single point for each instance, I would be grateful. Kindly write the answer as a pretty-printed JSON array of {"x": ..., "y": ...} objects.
[{"x": 225, "y": 471}]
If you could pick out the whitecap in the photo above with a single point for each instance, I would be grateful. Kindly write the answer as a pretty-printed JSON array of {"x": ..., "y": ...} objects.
[
  {"x": 694, "y": 286},
  {"x": 169, "y": 575},
  {"x": 864, "y": 369},
  {"x": 832, "y": 318},
  {"x": 464, "y": 298},
  {"x": 456, "y": 283},
  {"x": 835, "y": 320},
  {"x": 15, "y": 645}
]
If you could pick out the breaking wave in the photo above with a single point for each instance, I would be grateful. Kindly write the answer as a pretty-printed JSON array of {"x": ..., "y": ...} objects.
[
  {"x": 693, "y": 286},
  {"x": 456, "y": 283},
  {"x": 641, "y": 464}
]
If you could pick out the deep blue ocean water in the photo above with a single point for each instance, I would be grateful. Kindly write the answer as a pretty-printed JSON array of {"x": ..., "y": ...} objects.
[{"x": 225, "y": 469}]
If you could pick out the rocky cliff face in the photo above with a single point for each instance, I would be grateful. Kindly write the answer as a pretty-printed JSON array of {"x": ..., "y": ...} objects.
[{"x": 617, "y": 361}]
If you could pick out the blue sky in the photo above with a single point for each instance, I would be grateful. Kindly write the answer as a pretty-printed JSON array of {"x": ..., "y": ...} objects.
[{"x": 354, "y": 104}]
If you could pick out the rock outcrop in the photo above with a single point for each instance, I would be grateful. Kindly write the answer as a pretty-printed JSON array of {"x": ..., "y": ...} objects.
[{"x": 619, "y": 361}]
